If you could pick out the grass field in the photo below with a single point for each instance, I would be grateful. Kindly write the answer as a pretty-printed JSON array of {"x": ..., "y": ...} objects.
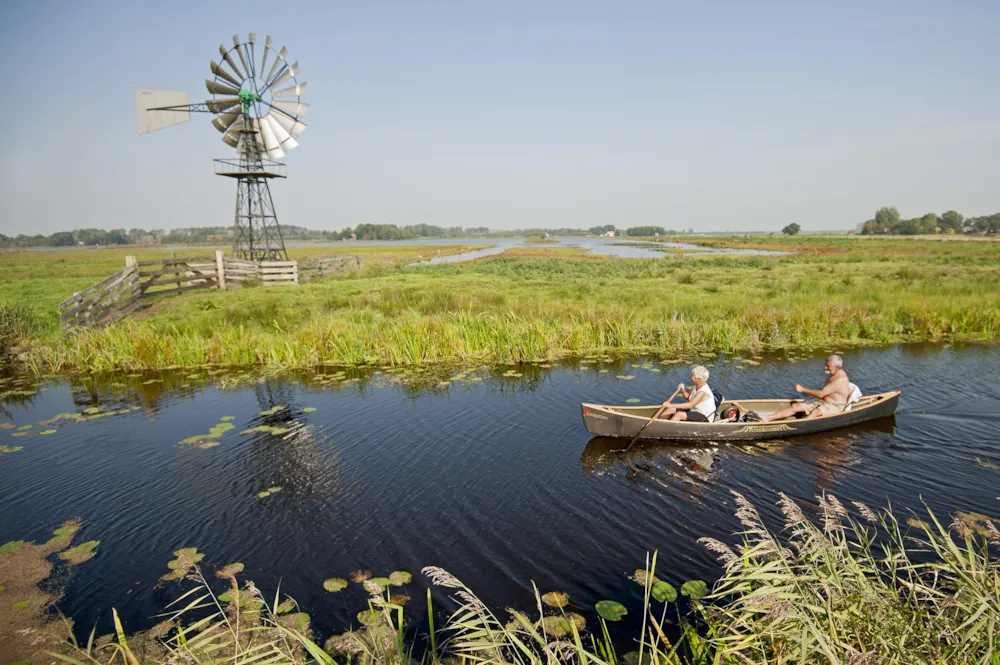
[
  {"x": 40, "y": 280},
  {"x": 538, "y": 302}
]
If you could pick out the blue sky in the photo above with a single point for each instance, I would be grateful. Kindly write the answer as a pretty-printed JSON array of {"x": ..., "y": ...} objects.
[{"x": 716, "y": 116}]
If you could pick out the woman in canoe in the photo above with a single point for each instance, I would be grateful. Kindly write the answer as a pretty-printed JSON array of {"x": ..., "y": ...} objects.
[{"x": 700, "y": 407}]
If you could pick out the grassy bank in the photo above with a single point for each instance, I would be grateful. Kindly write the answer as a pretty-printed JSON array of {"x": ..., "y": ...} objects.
[
  {"x": 849, "y": 587},
  {"x": 550, "y": 301}
]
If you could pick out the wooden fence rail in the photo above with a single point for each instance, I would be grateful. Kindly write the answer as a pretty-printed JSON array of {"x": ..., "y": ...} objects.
[
  {"x": 126, "y": 292},
  {"x": 105, "y": 302}
]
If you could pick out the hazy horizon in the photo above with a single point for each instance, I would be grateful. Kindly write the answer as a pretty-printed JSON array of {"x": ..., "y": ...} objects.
[{"x": 517, "y": 115}]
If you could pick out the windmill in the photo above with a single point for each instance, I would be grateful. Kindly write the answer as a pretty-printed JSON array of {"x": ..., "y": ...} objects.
[{"x": 258, "y": 114}]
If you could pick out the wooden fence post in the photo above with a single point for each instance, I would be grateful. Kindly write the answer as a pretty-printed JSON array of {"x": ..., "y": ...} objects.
[
  {"x": 220, "y": 265},
  {"x": 129, "y": 261}
]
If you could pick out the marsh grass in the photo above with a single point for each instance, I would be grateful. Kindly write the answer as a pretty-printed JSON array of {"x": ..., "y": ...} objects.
[
  {"x": 837, "y": 589},
  {"x": 513, "y": 309}
]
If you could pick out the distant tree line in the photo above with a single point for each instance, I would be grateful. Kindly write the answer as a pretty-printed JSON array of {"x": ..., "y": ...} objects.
[
  {"x": 224, "y": 234},
  {"x": 887, "y": 221}
]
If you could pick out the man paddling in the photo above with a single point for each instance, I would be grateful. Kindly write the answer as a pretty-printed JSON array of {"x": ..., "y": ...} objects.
[{"x": 827, "y": 401}]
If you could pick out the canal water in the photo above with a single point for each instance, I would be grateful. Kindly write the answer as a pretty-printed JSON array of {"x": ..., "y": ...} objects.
[{"x": 487, "y": 472}]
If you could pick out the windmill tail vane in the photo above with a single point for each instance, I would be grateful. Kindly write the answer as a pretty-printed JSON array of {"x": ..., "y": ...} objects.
[{"x": 255, "y": 115}]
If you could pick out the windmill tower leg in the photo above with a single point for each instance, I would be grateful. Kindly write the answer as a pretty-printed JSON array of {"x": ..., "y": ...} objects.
[{"x": 256, "y": 234}]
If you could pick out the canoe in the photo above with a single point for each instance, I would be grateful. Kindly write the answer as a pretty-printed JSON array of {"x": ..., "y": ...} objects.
[{"x": 626, "y": 421}]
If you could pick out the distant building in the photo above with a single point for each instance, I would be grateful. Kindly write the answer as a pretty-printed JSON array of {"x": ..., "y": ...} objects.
[
  {"x": 609, "y": 234},
  {"x": 215, "y": 236}
]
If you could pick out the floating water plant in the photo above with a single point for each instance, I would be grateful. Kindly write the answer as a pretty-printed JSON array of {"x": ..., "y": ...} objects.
[
  {"x": 335, "y": 584},
  {"x": 186, "y": 559},
  {"x": 632, "y": 400},
  {"x": 625, "y": 377},
  {"x": 24, "y": 428},
  {"x": 273, "y": 410},
  {"x": 359, "y": 576},
  {"x": 11, "y": 546},
  {"x": 694, "y": 589},
  {"x": 268, "y": 492},
  {"x": 11, "y": 449},
  {"x": 642, "y": 577},
  {"x": 309, "y": 409},
  {"x": 664, "y": 592},
  {"x": 298, "y": 621},
  {"x": 231, "y": 570},
  {"x": 369, "y": 617},
  {"x": 555, "y": 599},
  {"x": 285, "y": 606},
  {"x": 276, "y": 431},
  {"x": 610, "y": 610},
  {"x": 227, "y": 419},
  {"x": 399, "y": 599},
  {"x": 80, "y": 553},
  {"x": 64, "y": 534},
  {"x": 399, "y": 577}
]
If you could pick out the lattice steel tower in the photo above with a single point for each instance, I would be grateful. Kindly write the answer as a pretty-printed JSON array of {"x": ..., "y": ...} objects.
[{"x": 257, "y": 118}]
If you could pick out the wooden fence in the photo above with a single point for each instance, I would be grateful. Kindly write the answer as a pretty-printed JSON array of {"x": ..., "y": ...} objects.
[
  {"x": 310, "y": 271},
  {"x": 127, "y": 291},
  {"x": 173, "y": 276},
  {"x": 105, "y": 302}
]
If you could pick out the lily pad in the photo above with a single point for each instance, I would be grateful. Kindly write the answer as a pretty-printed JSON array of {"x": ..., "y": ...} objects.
[
  {"x": 11, "y": 546},
  {"x": 80, "y": 553},
  {"x": 229, "y": 571},
  {"x": 369, "y": 617},
  {"x": 359, "y": 576},
  {"x": 92, "y": 410},
  {"x": 555, "y": 626},
  {"x": 208, "y": 444},
  {"x": 226, "y": 419},
  {"x": 298, "y": 621},
  {"x": 610, "y": 610},
  {"x": 24, "y": 428},
  {"x": 399, "y": 599},
  {"x": 334, "y": 584},
  {"x": 632, "y": 400},
  {"x": 11, "y": 449},
  {"x": 309, "y": 409},
  {"x": 382, "y": 581},
  {"x": 46, "y": 432},
  {"x": 664, "y": 592},
  {"x": 555, "y": 599},
  {"x": 696, "y": 589},
  {"x": 399, "y": 577},
  {"x": 285, "y": 606},
  {"x": 641, "y": 577}
]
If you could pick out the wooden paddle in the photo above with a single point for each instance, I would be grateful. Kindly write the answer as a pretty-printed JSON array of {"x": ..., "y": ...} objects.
[{"x": 655, "y": 416}]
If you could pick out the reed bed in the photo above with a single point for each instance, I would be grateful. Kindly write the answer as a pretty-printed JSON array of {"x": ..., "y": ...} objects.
[
  {"x": 510, "y": 309},
  {"x": 843, "y": 588}
]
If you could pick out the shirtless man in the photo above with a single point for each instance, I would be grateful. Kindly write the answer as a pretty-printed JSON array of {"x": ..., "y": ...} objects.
[{"x": 829, "y": 400}]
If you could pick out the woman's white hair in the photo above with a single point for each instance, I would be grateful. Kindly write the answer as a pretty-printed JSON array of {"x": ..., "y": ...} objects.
[
  {"x": 700, "y": 372},
  {"x": 835, "y": 360}
]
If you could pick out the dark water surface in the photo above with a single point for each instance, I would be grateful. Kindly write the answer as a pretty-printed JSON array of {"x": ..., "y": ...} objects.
[{"x": 492, "y": 477}]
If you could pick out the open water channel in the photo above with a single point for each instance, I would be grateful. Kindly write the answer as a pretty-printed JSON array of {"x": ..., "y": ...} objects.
[{"x": 487, "y": 472}]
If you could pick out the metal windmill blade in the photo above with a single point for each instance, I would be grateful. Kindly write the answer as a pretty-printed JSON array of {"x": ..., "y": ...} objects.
[{"x": 258, "y": 115}]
